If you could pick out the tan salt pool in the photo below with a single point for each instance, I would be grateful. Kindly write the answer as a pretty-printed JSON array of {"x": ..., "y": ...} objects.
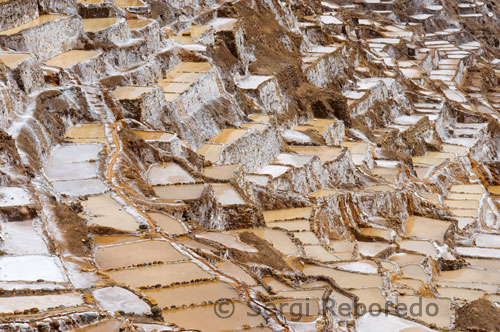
[
  {"x": 168, "y": 173},
  {"x": 42, "y": 19},
  {"x": 228, "y": 136},
  {"x": 111, "y": 325},
  {"x": 191, "y": 294},
  {"x": 319, "y": 253},
  {"x": 180, "y": 192},
  {"x": 164, "y": 274},
  {"x": 131, "y": 92},
  {"x": 203, "y": 318},
  {"x": 226, "y": 194},
  {"x": 70, "y": 58},
  {"x": 168, "y": 224},
  {"x": 104, "y": 211},
  {"x": 223, "y": 172},
  {"x": 87, "y": 133},
  {"x": 324, "y": 153},
  {"x": 12, "y": 60},
  {"x": 345, "y": 279},
  {"x": 99, "y": 24},
  {"x": 291, "y": 225},
  {"x": 211, "y": 152},
  {"x": 130, "y": 3},
  {"x": 426, "y": 228},
  {"x": 279, "y": 239},
  {"x": 138, "y": 24},
  {"x": 136, "y": 253},
  {"x": 288, "y": 214}
]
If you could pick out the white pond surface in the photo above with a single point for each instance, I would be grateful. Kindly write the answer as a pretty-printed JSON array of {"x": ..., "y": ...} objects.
[
  {"x": 252, "y": 82},
  {"x": 117, "y": 298},
  {"x": 30, "y": 268},
  {"x": 14, "y": 196},
  {"x": 387, "y": 323},
  {"x": 11, "y": 304},
  {"x": 23, "y": 238}
]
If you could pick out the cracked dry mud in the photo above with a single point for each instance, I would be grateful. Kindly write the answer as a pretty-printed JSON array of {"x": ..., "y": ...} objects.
[{"x": 300, "y": 159}]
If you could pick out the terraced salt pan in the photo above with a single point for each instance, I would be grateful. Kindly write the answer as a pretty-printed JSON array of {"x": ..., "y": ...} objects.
[
  {"x": 292, "y": 159},
  {"x": 319, "y": 253},
  {"x": 222, "y": 172},
  {"x": 307, "y": 237},
  {"x": 324, "y": 153},
  {"x": 470, "y": 276},
  {"x": 191, "y": 294},
  {"x": 345, "y": 279},
  {"x": 23, "y": 238},
  {"x": 138, "y": 24},
  {"x": 371, "y": 249},
  {"x": 422, "y": 247},
  {"x": 31, "y": 268},
  {"x": 180, "y": 192},
  {"x": 273, "y": 170},
  {"x": 277, "y": 238},
  {"x": 12, "y": 60},
  {"x": 380, "y": 233},
  {"x": 168, "y": 224},
  {"x": 226, "y": 194},
  {"x": 379, "y": 188},
  {"x": 98, "y": 24},
  {"x": 414, "y": 271},
  {"x": 228, "y": 136},
  {"x": 370, "y": 297},
  {"x": 426, "y": 228},
  {"x": 211, "y": 152},
  {"x": 487, "y": 240},
  {"x": 478, "y": 252},
  {"x": 14, "y": 196},
  {"x": 168, "y": 173},
  {"x": 442, "y": 319},
  {"x": 228, "y": 240},
  {"x": 131, "y": 92},
  {"x": 42, "y": 19},
  {"x": 70, "y": 171},
  {"x": 223, "y": 24},
  {"x": 288, "y": 214},
  {"x": 236, "y": 272},
  {"x": 115, "y": 299},
  {"x": 462, "y": 204},
  {"x": 485, "y": 263},
  {"x": 129, "y": 3},
  {"x": 111, "y": 325},
  {"x": 275, "y": 285},
  {"x": 203, "y": 318},
  {"x": 385, "y": 323},
  {"x": 460, "y": 293},
  {"x": 164, "y": 274},
  {"x": 252, "y": 82},
  {"x": 467, "y": 188},
  {"x": 299, "y": 225},
  {"x": 70, "y": 58},
  {"x": 136, "y": 253},
  {"x": 87, "y": 133},
  {"x": 80, "y": 187},
  {"x": 367, "y": 267},
  {"x": 104, "y": 211},
  {"x": 21, "y": 303}
]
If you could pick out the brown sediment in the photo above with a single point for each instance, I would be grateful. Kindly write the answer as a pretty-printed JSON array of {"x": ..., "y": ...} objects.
[{"x": 479, "y": 315}]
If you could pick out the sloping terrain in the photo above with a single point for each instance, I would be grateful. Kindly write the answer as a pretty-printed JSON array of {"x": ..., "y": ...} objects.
[{"x": 252, "y": 165}]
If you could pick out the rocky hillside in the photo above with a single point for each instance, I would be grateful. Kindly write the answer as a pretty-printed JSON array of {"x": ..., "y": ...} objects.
[{"x": 251, "y": 165}]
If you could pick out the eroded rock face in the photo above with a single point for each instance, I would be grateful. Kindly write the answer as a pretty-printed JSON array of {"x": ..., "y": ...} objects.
[{"x": 162, "y": 155}]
